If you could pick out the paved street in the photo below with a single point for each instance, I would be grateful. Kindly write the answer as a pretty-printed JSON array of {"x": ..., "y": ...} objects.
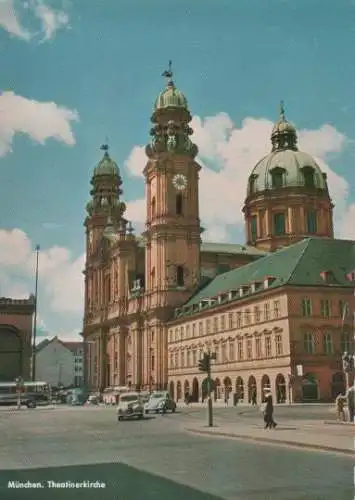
[{"x": 156, "y": 458}]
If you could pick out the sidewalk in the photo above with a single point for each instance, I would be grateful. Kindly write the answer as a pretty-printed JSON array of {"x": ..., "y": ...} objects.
[
  {"x": 300, "y": 434},
  {"x": 221, "y": 404}
]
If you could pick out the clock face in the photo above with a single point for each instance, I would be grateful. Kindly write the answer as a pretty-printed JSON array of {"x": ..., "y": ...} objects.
[{"x": 179, "y": 182}]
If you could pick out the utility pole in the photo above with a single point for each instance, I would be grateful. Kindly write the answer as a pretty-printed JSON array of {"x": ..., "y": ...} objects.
[
  {"x": 35, "y": 319},
  {"x": 204, "y": 365}
]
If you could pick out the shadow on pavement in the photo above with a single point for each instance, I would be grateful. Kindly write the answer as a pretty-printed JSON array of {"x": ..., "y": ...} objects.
[{"x": 122, "y": 483}]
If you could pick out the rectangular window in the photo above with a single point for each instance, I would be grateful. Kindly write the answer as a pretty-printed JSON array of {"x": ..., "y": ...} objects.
[
  {"x": 279, "y": 224},
  {"x": 306, "y": 306},
  {"x": 208, "y": 326},
  {"x": 194, "y": 329},
  {"x": 200, "y": 328},
  {"x": 224, "y": 353},
  {"x": 268, "y": 347},
  {"x": 249, "y": 349},
  {"x": 267, "y": 312},
  {"x": 194, "y": 355},
  {"x": 278, "y": 345},
  {"x": 230, "y": 320},
  {"x": 258, "y": 348},
  {"x": 257, "y": 314},
  {"x": 312, "y": 221},
  {"x": 188, "y": 331},
  {"x": 325, "y": 308},
  {"x": 277, "y": 312},
  {"x": 239, "y": 319},
  {"x": 253, "y": 228},
  {"x": 231, "y": 351},
  {"x": 240, "y": 350},
  {"x": 327, "y": 343},
  {"x": 223, "y": 323},
  {"x": 247, "y": 317},
  {"x": 215, "y": 325}
]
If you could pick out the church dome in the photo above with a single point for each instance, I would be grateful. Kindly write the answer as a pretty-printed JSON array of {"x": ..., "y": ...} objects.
[
  {"x": 106, "y": 165},
  {"x": 286, "y": 166},
  {"x": 170, "y": 97}
]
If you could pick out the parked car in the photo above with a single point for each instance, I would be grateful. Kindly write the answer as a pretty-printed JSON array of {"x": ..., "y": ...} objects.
[
  {"x": 144, "y": 396},
  {"x": 129, "y": 406},
  {"x": 160, "y": 402}
]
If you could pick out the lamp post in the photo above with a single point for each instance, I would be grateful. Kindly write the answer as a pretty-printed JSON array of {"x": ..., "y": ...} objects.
[{"x": 35, "y": 319}]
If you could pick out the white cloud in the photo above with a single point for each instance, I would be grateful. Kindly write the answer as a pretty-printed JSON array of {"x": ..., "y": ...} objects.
[
  {"x": 9, "y": 21},
  {"x": 60, "y": 275},
  {"x": 39, "y": 120},
  {"x": 136, "y": 161},
  {"x": 51, "y": 19},
  {"x": 232, "y": 152}
]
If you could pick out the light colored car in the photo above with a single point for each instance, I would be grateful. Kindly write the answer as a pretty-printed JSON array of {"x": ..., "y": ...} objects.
[
  {"x": 160, "y": 402},
  {"x": 129, "y": 406}
]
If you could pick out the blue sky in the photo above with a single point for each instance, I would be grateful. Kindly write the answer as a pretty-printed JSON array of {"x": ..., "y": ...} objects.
[{"x": 74, "y": 73}]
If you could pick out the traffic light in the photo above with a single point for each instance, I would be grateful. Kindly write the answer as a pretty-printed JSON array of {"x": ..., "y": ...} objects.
[{"x": 204, "y": 363}]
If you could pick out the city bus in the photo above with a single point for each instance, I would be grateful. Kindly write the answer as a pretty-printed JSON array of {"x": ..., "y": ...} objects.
[{"x": 32, "y": 394}]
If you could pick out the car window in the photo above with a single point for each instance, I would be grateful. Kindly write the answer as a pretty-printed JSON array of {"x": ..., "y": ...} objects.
[
  {"x": 158, "y": 395},
  {"x": 126, "y": 399}
]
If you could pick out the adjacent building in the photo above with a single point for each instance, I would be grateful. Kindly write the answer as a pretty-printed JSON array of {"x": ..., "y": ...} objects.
[
  {"x": 277, "y": 311},
  {"x": 16, "y": 318},
  {"x": 60, "y": 363}
]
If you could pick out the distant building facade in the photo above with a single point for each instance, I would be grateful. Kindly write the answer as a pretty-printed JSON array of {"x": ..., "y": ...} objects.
[
  {"x": 154, "y": 303},
  {"x": 16, "y": 318},
  {"x": 60, "y": 363}
]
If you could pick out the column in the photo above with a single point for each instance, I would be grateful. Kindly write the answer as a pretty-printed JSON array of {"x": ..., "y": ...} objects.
[
  {"x": 122, "y": 356},
  {"x": 302, "y": 228},
  {"x": 291, "y": 229}
]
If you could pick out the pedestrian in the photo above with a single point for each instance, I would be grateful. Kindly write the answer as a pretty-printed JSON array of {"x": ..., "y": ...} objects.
[
  {"x": 351, "y": 403},
  {"x": 253, "y": 398},
  {"x": 187, "y": 398},
  {"x": 339, "y": 403},
  {"x": 268, "y": 413},
  {"x": 226, "y": 397}
]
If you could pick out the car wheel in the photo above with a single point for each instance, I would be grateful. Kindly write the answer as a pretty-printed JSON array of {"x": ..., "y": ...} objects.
[
  {"x": 120, "y": 419},
  {"x": 31, "y": 404},
  {"x": 140, "y": 416},
  {"x": 173, "y": 409},
  {"x": 146, "y": 412},
  {"x": 156, "y": 411}
]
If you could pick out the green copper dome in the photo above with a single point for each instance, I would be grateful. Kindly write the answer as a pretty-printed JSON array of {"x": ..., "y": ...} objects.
[
  {"x": 106, "y": 166},
  {"x": 286, "y": 166},
  {"x": 171, "y": 97}
]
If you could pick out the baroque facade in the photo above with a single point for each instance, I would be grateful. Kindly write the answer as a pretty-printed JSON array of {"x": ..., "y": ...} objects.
[{"x": 154, "y": 302}]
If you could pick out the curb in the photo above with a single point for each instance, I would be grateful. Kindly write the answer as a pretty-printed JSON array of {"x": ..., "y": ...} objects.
[
  {"x": 333, "y": 422},
  {"x": 242, "y": 437}
]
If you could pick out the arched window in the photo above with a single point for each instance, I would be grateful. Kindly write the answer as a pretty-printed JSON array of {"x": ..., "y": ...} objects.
[
  {"x": 179, "y": 204},
  {"x": 180, "y": 276},
  {"x": 279, "y": 224},
  {"x": 309, "y": 343},
  {"x": 308, "y": 177},
  {"x": 252, "y": 183},
  {"x": 327, "y": 343},
  {"x": 153, "y": 208},
  {"x": 277, "y": 177},
  {"x": 253, "y": 228},
  {"x": 312, "y": 221}
]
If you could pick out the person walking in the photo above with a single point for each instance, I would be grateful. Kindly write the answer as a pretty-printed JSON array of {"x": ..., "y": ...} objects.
[
  {"x": 253, "y": 398},
  {"x": 339, "y": 403},
  {"x": 268, "y": 413}
]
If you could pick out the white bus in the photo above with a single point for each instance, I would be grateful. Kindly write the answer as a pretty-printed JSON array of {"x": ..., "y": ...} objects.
[{"x": 32, "y": 394}]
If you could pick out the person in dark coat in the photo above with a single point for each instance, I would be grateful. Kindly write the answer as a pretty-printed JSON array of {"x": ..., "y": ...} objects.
[
  {"x": 268, "y": 413},
  {"x": 351, "y": 403}
]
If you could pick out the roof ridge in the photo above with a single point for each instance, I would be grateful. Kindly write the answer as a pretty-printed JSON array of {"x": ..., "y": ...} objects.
[{"x": 308, "y": 240}]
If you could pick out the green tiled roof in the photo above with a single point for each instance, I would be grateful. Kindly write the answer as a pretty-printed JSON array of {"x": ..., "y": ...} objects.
[{"x": 301, "y": 264}]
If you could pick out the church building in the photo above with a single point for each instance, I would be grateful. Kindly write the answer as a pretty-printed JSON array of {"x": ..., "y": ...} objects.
[{"x": 277, "y": 311}]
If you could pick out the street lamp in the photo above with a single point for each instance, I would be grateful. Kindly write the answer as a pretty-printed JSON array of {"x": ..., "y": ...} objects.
[{"x": 37, "y": 249}]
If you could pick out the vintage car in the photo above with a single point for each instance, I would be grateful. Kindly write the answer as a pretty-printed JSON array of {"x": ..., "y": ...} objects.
[
  {"x": 160, "y": 402},
  {"x": 129, "y": 406}
]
